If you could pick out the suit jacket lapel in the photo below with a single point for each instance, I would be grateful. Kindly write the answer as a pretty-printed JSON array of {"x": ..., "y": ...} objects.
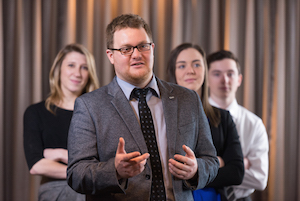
[
  {"x": 170, "y": 104},
  {"x": 125, "y": 111}
]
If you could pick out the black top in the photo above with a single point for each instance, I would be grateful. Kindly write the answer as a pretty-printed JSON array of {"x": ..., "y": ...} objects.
[
  {"x": 227, "y": 144},
  {"x": 43, "y": 129}
]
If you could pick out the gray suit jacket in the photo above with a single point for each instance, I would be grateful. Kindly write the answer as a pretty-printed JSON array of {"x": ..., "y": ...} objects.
[{"x": 102, "y": 116}]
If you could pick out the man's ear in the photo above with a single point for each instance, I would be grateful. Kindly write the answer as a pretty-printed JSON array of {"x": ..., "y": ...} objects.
[
  {"x": 110, "y": 56},
  {"x": 153, "y": 45},
  {"x": 240, "y": 79}
]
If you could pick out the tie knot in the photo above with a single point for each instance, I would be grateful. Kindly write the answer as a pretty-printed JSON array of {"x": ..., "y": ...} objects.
[{"x": 141, "y": 93}]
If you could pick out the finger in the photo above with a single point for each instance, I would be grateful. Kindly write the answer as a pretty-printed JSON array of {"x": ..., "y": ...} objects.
[
  {"x": 176, "y": 172},
  {"x": 178, "y": 165},
  {"x": 121, "y": 146},
  {"x": 143, "y": 163},
  {"x": 184, "y": 160},
  {"x": 141, "y": 158},
  {"x": 188, "y": 151},
  {"x": 130, "y": 156},
  {"x": 181, "y": 159}
]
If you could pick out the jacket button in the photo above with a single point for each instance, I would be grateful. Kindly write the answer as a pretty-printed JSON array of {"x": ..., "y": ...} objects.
[{"x": 147, "y": 176}]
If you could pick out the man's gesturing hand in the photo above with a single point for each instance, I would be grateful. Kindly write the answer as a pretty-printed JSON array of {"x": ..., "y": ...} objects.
[
  {"x": 131, "y": 164},
  {"x": 184, "y": 167}
]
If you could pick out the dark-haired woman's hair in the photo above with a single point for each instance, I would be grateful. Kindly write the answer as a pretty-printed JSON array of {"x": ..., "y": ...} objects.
[{"x": 212, "y": 113}]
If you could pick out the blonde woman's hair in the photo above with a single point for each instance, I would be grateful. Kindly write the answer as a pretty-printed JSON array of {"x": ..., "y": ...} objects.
[{"x": 56, "y": 94}]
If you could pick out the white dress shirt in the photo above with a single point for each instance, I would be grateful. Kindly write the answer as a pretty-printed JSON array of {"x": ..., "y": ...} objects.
[
  {"x": 255, "y": 147},
  {"x": 156, "y": 108}
]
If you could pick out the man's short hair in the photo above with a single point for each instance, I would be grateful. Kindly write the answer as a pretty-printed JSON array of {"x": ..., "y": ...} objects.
[
  {"x": 125, "y": 21},
  {"x": 220, "y": 55}
]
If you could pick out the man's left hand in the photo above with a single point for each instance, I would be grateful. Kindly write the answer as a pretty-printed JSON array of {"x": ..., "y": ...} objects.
[{"x": 184, "y": 167}]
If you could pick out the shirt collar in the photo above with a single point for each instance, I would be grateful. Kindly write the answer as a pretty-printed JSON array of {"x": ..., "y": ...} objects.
[
  {"x": 232, "y": 108},
  {"x": 127, "y": 88}
]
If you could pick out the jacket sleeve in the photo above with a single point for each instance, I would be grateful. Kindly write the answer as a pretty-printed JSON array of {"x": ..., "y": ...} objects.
[
  {"x": 205, "y": 152},
  {"x": 32, "y": 136},
  {"x": 85, "y": 173},
  {"x": 233, "y": 171}
]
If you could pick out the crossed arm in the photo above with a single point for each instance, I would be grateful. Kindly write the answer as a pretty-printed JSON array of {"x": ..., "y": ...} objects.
[{"x": 54, "y": 164}]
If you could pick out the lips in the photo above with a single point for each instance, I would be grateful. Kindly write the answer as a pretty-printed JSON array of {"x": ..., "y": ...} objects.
[
  {"x": 190, "y": 80},
  {"x": 76, "y": 81},
  {"x": 137, "y": 64},
  {"x": 224, "y": 88}
]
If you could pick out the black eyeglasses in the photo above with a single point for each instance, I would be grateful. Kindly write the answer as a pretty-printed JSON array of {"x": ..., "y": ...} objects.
[{"x": 129, "y": 50}]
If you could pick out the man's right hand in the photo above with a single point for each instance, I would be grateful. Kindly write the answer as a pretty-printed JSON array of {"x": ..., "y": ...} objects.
[{"x": 131, "y": 164}]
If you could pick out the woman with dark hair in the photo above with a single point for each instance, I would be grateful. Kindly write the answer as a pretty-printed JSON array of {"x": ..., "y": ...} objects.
[
  {"x": 46, "y": 124},
  {"x": 187, "y": 67}
]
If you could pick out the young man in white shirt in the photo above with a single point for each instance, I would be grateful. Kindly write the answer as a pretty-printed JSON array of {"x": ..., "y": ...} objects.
[{"x": 224, "y": 78}]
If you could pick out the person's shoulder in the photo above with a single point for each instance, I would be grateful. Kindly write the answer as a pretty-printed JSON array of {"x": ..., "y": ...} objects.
[
  {"x": 248, "y": 113},
  {"x": 222, "y": 111},
  {"x": 98, "y": 97},
  {"x": 175, "y": 88},
  {"x": 95, "y": 94},
  {"x": 250, "y": 117},
  {"x": 92, "y": 93},
  {"x": 225, "y": 115},
  {"x": 36, "y": 106}
]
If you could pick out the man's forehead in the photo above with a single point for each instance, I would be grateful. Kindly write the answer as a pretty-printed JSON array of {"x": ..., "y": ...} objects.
[
  {"x": 125, "y": 29},
  {"x": 131, "y": 33},
  {"x": 223, "y": 65}
]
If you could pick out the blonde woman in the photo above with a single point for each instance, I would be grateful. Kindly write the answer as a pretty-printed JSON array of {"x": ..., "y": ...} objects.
[{"x": 46, "y": 124}]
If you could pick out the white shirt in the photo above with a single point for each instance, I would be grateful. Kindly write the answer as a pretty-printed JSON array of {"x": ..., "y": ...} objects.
[
  {"x": 255, "y": 147},
  {"x": 156, "y": 108}
]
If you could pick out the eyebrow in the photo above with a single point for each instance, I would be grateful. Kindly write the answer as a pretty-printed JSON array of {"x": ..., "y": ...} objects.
[
  {"x": 216, "y": 71},
  {"x": 222, "y": 71},
  {"x": 73, "y": 62},
  {"x": 196, "y": 60}
]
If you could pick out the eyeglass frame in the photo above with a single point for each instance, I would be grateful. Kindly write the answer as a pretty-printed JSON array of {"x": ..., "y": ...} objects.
[{"x": 133, "y": 47}]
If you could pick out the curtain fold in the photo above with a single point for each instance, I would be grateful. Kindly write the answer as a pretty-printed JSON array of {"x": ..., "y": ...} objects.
[
  {"x": 264, "y": 34},
  {"x": 292, "y": 108},
  {"x": 279, "y": 86},
  {"x": 249, "y": 57},
  {"x": 1, "y": 103}
]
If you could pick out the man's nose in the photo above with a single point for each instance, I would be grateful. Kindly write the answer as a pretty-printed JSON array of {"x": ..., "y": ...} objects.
[
  {"x": 136, "y": 52},
  {"x": 225, "y": 78}
]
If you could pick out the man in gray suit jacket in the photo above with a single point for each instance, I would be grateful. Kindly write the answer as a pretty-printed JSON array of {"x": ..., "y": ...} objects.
[{"x": 108, "y": 155}]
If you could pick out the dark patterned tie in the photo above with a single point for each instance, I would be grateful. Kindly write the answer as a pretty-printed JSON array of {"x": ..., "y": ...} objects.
[{"x": 147, "y": 126}]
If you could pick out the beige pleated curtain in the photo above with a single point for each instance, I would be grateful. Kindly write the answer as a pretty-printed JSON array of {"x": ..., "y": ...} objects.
[{"x": 264, "y": 34}]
